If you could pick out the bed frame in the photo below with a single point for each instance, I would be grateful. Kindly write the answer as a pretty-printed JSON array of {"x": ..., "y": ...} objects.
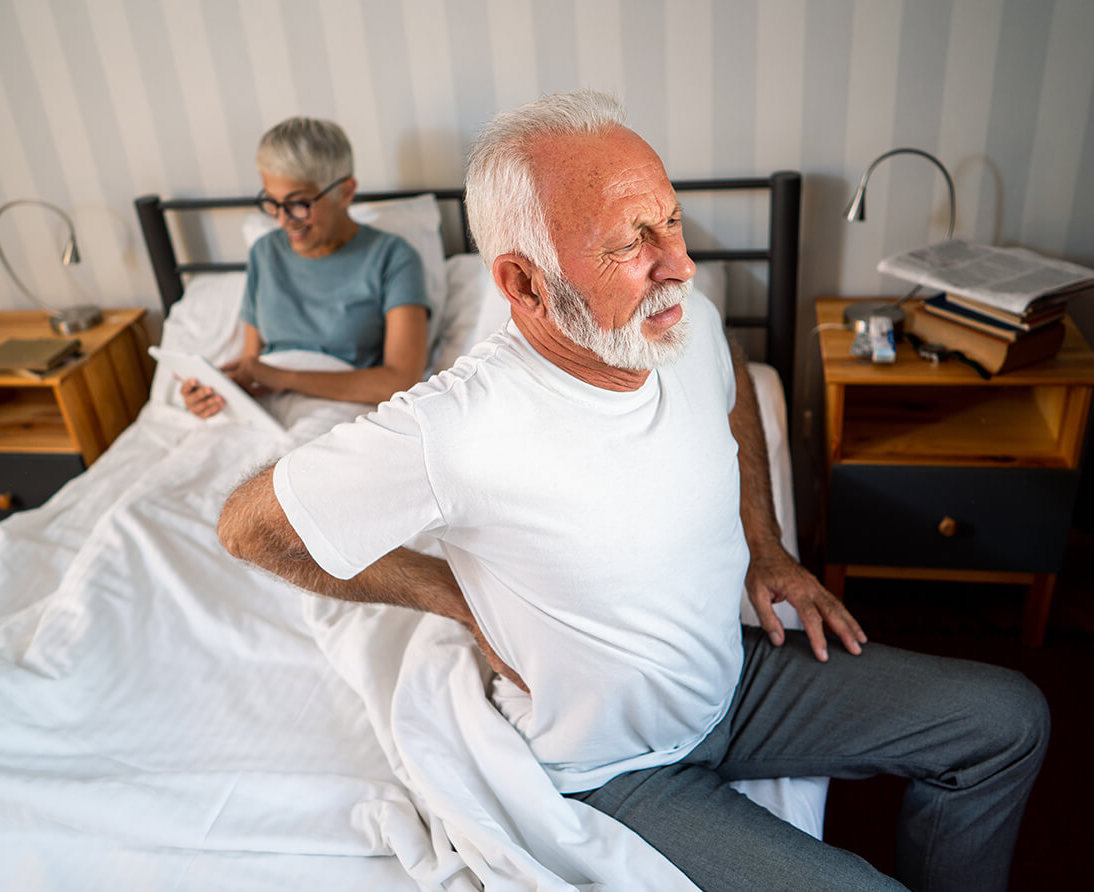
[{"x": 780, "y": 255}]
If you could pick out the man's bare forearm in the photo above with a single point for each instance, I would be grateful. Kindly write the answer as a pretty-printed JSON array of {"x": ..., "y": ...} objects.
[
  {"x": 757, "y": 507},
  {"x": 254, "y": 527}
]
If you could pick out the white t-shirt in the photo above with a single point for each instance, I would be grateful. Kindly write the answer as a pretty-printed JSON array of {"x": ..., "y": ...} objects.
[{"x": 595, "y": 534}]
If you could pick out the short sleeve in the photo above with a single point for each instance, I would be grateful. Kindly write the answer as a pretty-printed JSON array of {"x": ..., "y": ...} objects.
[
  {"x": 404, "y": 277},
  {"x": 359, "y": 491}
]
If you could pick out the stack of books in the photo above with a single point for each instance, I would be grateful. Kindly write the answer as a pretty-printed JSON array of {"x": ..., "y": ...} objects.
[
  {"x": 1003, "y": 308},
  {"x": 996, "y": 339}
]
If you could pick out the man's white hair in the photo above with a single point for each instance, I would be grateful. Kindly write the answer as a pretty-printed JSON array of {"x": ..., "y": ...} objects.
[
  {"x": 306, "y": 149},
  {"x": 504, "y": 208}
]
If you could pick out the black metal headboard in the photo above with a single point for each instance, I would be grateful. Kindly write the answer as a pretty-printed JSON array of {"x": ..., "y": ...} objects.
[
  {"x": 781, "y": 257},
  {"x": 780, "y": 254}
]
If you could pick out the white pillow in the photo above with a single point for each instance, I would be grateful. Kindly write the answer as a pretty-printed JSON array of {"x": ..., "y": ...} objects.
[
  {"x": 494, "y": 311},
  {"x": 205, "y": 319},
  {"x": 475, "y": 308},
  {"x": 416, "y": 219}
]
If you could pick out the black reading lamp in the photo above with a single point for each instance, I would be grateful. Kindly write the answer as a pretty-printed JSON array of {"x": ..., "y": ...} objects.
[
  {"x": 71, "y": 319},
  {"x": 861, "y": 310}
]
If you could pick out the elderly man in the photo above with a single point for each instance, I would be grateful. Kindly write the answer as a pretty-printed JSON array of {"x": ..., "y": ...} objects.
[{"x": 580, "y": 472}]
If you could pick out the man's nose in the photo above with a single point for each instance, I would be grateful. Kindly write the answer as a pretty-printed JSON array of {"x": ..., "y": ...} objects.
[{"x": 674, "y": 262}]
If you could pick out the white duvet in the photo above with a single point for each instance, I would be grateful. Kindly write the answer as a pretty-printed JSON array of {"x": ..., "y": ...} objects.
[{"x": 173, "y": 719}]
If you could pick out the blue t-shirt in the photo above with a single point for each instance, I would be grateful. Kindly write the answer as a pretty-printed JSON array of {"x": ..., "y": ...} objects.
[{"x": 334, "y": 304}]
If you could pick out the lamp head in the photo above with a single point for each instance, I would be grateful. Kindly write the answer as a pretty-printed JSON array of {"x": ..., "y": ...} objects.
[
  {"x": 856, "y": 209},
  {"x": 71, "y": 254}
]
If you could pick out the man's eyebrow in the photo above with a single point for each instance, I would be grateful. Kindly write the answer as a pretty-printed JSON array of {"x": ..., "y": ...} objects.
[{"x": 677, "y": 211}]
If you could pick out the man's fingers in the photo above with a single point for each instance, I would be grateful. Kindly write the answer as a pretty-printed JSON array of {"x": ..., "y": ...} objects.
[
  {"x": 769, "y": 621},
  {"x": 506, "y": 672},
  {"x": 847, "y": 636},
  {"x": 497, "y": 663},
  {"x": 836, "y": 617},
  {"x": 843, "y": 625},
  {"x": 820, "y": 611},
  {"x": 849, "y": 632},
  {"x": 814, "y": 631}
]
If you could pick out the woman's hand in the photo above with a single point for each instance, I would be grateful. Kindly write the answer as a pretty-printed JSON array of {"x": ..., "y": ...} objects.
[
  {"x": 248, "y": 372},
  {"x": 255, "y": 376},
  {"x": 201, "y": 400}
]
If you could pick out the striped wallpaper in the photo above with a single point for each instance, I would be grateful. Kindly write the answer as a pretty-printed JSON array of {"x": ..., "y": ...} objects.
[{"x": 103, "y": 100}]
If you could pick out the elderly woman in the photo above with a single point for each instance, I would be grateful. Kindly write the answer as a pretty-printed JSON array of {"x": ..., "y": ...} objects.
[{"x": 323, "y": 282}]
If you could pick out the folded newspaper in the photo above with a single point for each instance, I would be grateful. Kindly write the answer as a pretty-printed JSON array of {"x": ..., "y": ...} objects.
[{"x": 1012, "y": 279}]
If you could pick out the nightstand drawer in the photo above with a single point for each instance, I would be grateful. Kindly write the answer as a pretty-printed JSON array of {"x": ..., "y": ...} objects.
[
  {"x": 29, "y": 479},
  {"x": 1014, "y": 519}
]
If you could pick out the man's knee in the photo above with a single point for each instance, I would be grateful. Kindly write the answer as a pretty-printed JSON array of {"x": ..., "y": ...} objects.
[
  {"x": 1019, "y": 709},
  {"x": 1007, "y": 715}
]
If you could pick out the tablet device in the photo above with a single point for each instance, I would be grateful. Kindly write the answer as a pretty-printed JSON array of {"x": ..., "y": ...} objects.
[{"x": 239, "y": 405}]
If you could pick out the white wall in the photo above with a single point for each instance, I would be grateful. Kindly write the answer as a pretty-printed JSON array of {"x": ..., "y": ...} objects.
[{"x": 104, "y": 100}]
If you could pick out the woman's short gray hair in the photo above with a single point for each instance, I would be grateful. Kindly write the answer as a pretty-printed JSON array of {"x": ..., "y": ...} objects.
[
  {"x": 503, "y": 202},
  {"x": 306, "y": 149}
]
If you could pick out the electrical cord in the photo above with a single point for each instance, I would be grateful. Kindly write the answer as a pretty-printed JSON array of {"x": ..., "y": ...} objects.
[{"x": 935, "y": 353}]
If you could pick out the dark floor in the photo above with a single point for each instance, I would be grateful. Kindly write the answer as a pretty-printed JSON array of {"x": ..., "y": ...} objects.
[{"x": 982, "y": 622}]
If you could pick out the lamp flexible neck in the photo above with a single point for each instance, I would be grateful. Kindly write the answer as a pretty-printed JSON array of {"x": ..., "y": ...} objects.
[{"x": 69, "y": 255}]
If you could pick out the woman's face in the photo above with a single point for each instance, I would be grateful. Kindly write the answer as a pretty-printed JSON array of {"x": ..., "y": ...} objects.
[{"x": 327, "y": 226}]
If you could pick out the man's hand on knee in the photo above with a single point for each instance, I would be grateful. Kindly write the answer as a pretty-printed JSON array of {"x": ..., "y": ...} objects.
[{"x": 775, "y": 577}]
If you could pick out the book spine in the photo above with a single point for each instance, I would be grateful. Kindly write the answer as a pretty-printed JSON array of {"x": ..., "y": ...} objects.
[{"x": 995, "y": 354}]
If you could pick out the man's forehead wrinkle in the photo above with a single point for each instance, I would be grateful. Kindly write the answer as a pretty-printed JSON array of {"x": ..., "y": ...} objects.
[
  {"x": 643, "y": 186},
  {"x": 618, "y": 174}
]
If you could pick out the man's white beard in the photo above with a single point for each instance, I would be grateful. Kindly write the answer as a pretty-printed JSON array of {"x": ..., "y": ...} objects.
[{"x": 625, "y": 347}]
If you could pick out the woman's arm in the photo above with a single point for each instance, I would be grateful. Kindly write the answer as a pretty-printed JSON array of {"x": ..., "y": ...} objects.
[
  {"x": 405, "y": 354},
  {"x": 202, "y": 400}
]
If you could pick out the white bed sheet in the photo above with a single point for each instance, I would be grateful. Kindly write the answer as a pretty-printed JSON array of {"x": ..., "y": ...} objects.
[
  {"x": 166, "y": 720},
  {"x": 171, "y": 718}
]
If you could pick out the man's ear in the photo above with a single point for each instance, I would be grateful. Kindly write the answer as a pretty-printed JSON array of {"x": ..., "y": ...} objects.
[{"x": 521, "y": 282}]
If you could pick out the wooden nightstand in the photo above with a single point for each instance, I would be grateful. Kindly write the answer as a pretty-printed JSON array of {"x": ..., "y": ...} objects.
[
  {"x": 935, "y": 473},
  {"x": 54, "y": 427}
]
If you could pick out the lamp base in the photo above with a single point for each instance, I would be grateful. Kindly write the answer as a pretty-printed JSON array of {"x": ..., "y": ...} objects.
[
  {"x": 74, "y": 319},
  {"x": 860, "y": 311}
]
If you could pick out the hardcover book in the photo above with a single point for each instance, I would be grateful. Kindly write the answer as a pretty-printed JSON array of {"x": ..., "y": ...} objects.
[
  {"x": 995, "y": 354},
  {"x": 36, "y": 354},
  {"x": 948, "y": 307},
  {"x": 1033, "y": 318}
]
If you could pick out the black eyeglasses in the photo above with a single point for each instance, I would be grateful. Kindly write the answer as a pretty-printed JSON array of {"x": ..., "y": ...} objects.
[{"x": 297, "y": 208}]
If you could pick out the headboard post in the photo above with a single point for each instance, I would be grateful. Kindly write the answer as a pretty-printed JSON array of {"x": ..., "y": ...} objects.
[
  {"x": 160, "y": 251},
  {"x": 783, "y": 284}
]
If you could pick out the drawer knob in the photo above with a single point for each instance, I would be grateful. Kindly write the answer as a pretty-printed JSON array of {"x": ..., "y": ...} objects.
[
  {"x": 5, "y": 501},
  {"x": 947, "y": 527}
]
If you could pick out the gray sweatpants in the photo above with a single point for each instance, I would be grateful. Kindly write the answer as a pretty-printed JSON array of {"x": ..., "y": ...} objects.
[{"x": 969, "y": 736}]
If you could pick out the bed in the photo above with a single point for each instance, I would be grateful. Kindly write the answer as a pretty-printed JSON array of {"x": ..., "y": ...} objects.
[{"x": 173, "y": 719}]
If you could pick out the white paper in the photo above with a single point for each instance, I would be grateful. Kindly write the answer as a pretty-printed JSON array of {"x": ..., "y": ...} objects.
[{"x": 1011, "y": 279}]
